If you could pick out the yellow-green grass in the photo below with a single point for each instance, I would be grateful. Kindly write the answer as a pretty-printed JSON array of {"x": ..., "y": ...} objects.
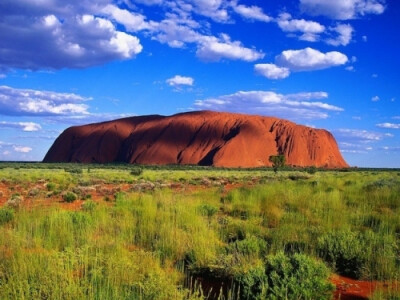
[{"x": 149, "y": 245}]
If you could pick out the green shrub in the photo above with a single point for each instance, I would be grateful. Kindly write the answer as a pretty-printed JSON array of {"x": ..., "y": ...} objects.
[
  {"x": 86, "y": 197},
  {"x": 311, "y": 170},
  {"x": 297, "y": 277},
  {"x": 74, "y": 170},
  {"x": 6, "y": 215},
  {"x": 329, "y": 189},
  {"x": 343, "y": 251},
  {"x": 251, "y": 284},
  {"x": 69, "y": 197},
  {"x": 208, "y": 210},
  {"x": 136, "y": 171},
  {"x": 50, "y": 187}
]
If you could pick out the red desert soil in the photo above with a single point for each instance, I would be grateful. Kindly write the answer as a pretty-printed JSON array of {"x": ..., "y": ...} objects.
[
  {"x": 197, "y": 138},
  {"x": 351, "y": 289}
]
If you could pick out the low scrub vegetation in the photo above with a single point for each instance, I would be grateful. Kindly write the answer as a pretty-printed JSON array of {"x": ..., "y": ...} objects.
[
  {"x": 69, "y": 197},
  {"x": 256, "y": 235}
]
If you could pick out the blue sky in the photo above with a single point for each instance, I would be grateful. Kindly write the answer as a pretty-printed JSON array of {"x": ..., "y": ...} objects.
[{"x": 330, "y": 64}]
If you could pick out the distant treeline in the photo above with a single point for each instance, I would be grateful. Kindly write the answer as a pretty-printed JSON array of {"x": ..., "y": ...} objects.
[{"x": 126, "y": 166}]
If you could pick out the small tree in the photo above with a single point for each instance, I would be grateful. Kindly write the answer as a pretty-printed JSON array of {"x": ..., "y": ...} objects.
[{"x": 278, "y": 161}]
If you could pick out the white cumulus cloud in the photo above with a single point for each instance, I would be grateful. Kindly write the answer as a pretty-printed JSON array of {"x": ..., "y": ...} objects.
[
  {"x": 342, "y": 9},
  {"x": 52, "y": 35},
  {"x": 344, "y": 33},
  {"x": 214, "y": 9},
  {"x": 146, "y": 2},
  {"x": 272, "y": 71},
  {"x": 22, "y": 149},
  {"x": 287, "y": 24},
  {"x": 359, "y": 135},
  {"x": 309, "y": 59},
  {"x": 291, "y": 106},
  {"x": 132, "y": 21},
  {"x": 375, "y": 98},
  {"x": 209, "y": 48},
  {"x": 214, "y": 49},
  {"x": 312, "y": 31},
  {"x": 179, "y": 80},
  {"x": 252, "y": 13},
  {"x": 349, "y": 147},
  {"x": 25, "y": 126},
  {"x": 389, "y": 125},
  {"x": 43, "y": 103}
]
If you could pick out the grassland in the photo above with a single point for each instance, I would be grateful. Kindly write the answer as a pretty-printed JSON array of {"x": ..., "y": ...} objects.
[{"x": 193, "y": 233}]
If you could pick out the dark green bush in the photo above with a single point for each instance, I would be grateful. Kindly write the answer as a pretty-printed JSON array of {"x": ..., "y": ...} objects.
[
  {"x": 329, "y": 189},
  {"x": 136, "y": 171},
  {"x": 69, "y": 197},
  {"x": 74, "y": 170},
  {"x": 6, "y": 215},
  {"x": 311, "y": 170},
  {"x": 297, "y": 277},
  {"x": 208, "y": 210},
  {"x": 343, "y": 251},
  {"x": 251, "y": 284},
  {"x": 50, "y": 187},
  {"x": 86, "y": 197}
]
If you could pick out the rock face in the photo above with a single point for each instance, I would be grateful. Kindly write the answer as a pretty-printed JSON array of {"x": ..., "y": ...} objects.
[{"x": 197, "y": 138}]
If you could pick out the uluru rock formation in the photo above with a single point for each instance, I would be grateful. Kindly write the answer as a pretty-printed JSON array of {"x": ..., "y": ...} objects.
[{"x": 197, "y": 138}]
